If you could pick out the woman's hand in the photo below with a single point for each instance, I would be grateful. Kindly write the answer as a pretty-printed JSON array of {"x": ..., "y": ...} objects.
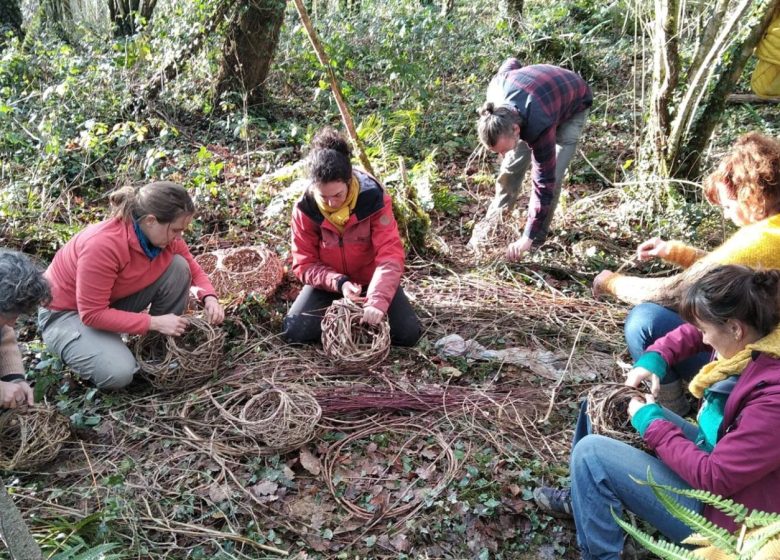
[
  {"x": 215, "y": 313},
  {"x": 372, "y": 315},
  {"x": 600, "y": 282},
  {"x": 170, "y": 324},
  {"x": 636, "y": 376},
  {"x": 517, "y": 249},
  {"x": 351, "y": 291},
  {"x": 652, "y": 248},
  {"x": 638, "y": 402},
  {"x": 14, "y": 395}
]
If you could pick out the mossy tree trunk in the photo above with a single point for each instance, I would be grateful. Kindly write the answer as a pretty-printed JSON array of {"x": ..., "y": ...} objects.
[
  {"x": 250, "y": 44},
  {"x": 10, "y": 18},
  {"x": 126, "y": 13}
]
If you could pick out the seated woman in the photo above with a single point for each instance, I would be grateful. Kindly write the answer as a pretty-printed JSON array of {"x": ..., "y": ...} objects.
[
  {"x": 733, "y": 452},
  {"x": 345, "y": 243},
  {"x": 746, "y": 184},
  {"x": 22, "y": 289},
  {"x": 104, "y": 279}
]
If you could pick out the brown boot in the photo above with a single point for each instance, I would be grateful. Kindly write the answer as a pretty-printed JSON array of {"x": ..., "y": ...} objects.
[{"x": 671, "y": 397}]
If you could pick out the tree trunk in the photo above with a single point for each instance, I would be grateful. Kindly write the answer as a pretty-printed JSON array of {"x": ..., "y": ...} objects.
[
  {"x": 249, "y": 49},
  {"x": 10, "y": 18},
  {"x": 13, "y": 530},
  {"x": 57, "y": 16},
  {"x": 125, "y": 15},
  {"x": 688, "y": 161},
  {"x": 511, "y": 11}
]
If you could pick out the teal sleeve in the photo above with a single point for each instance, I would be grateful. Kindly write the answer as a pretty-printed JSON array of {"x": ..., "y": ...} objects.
[
  {"x": 652, "y": 362},
  {"x": 645, "y": 416}
]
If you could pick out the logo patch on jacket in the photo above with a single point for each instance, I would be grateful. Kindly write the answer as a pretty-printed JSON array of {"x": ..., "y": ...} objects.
[{"x": 384, "y": 220}]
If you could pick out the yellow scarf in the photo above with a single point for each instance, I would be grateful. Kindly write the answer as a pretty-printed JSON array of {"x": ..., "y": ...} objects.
[
  {"x": 721, "y": 368},
  {"x": 340, "y": 216}
]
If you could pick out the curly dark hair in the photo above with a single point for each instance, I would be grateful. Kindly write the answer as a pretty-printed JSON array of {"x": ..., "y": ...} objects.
[
  {"x": 751, "y": 174},
  {"x": 329, "y": 157},
  {"x": 22, "y": 285}
]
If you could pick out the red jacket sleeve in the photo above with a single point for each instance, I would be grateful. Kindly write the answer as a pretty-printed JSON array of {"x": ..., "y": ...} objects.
[
  {"x": 307, "y": 266},
  {"x": 97, "y": 271},
  {"x": 201, "y": 284},
  {"x": 389, "y": 258},
  {"x": 683, "y": 342},
  {"x": 743, "y": 456}
]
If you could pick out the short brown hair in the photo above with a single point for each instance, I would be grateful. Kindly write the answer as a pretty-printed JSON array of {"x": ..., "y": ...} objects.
[{"x": 751, "y": 175}]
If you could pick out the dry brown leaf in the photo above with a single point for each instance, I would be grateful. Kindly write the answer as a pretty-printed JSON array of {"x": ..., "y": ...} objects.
[
  {"x": 310, "y": 462},
  {"x": 219, "y": 492},
  {"x": 264, "y": 488}
]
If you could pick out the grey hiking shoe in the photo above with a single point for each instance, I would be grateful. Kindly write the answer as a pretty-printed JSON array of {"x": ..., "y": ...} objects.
[{"x": 554, "y": 501}]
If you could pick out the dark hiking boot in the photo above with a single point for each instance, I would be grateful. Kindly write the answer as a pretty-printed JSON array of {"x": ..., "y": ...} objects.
[{"x": 554, "y": 501}]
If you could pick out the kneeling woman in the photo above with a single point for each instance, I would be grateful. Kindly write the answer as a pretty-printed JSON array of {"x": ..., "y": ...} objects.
[
  {"x": 345, "y": 243},
  {"x": 104, "y": 279},
  {"x": 735, "y": 449}
]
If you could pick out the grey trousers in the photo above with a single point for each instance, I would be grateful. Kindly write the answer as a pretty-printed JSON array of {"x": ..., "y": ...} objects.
[
  {"x": 101, "y": 356},
  {"x": 516, "y": 163}
]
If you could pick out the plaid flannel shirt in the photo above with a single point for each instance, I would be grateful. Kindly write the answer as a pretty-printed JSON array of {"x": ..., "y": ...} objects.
[{"x": 545, "y": 96}]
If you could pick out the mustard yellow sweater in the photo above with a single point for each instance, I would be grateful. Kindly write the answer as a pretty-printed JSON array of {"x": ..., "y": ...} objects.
[{"x": 755, "y": 245}]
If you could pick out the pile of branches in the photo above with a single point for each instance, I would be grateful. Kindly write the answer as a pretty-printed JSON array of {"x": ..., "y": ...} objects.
[{"x": 31, "y": 436}]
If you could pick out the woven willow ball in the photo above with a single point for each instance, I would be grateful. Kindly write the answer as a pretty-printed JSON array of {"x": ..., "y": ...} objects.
[
  {"x": 282, "y": 417},
  {"x": 209, "y": 262},
  {"x": 350, "y": 344},
  {"x": 254, "y": 269},
  {"x": 608, "y": 411},
  {"x": 170, "y": 363},
  {"x": 31, "y": 437}
]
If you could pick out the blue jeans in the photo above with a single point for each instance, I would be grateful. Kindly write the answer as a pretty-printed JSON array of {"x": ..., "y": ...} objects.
[
  {"x": 646, "y": 323},
  {"x": 601, "y": 471}
]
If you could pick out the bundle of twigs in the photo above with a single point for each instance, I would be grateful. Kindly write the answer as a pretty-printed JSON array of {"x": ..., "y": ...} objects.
[
  {"x": 349, "y": 343},
  {"x": 178, "y": 363},
  {"x": 31, "y": 436},
  {"x": 608, "y": 411},
  {"x": 240, "y": 419},
  {"x": 281, "y": 417},
  {"x": 471, "y": 305},
  {"x": 243, "y": 270},
  {"x": 393, "y": 494}
]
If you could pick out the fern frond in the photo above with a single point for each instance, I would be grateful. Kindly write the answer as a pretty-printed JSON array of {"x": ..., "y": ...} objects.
[
  {"x": 757, "y": 539},
  {"x": 758, "y": 518},
  {"x": 662, "y": 549},
  {"x": 718, "y": 536},
  {"x": 771, "y": 551}
]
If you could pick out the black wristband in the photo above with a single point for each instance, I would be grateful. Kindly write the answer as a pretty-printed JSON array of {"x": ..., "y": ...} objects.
[
  {"x": 340, "y": 284},
  {"x": 11, "y": 377}
]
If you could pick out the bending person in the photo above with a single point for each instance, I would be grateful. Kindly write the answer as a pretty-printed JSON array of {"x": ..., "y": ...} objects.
[
  {"x": 746, "y": 184},
  {"x": 22, "y": 289},
  {"x": 106, "y": 276},
  {"x": 345, "y": 243},
  {"x": 732, "y": 451},
  {"x": 534, "y": 116}
]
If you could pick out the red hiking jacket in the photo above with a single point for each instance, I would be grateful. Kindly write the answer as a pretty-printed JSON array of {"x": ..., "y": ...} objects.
[{"x": 369, "y": 252}]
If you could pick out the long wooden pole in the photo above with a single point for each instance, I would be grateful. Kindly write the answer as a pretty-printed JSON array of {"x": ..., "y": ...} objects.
[
  {"x": 346, "y": 116},
  {"x": 13, "y": 531}
]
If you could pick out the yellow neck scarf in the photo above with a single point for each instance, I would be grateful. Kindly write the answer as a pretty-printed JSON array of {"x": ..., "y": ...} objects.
[
  {"x": 721, "y": 369},
  {"x": 340, "y": 216}
]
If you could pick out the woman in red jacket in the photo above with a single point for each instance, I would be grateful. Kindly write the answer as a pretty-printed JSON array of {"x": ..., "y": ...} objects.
[
  {"x": 345, "y": 243},
  {"x": 732, "y": 451},
  {"x": 105, "y": 278}
]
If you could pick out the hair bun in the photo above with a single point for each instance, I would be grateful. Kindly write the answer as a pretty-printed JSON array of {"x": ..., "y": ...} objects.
[
  {"x": 767, "y": 279},
  {"x": 329, "y": 139},
  {"x": 487, "y": 109}
]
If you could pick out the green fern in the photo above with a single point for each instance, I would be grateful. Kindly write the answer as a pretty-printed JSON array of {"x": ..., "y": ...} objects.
[
  {"x": 662, "y": 549},
  {"x": 100, "y": 552},
  {"x": 761, "y": 519},
  {"x": 758, "y": 539}
]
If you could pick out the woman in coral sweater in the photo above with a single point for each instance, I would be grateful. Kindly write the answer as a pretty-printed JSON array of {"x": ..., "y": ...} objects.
[
  {"x": 104, "y": 279},
  {"x": 746, "y": 184}
]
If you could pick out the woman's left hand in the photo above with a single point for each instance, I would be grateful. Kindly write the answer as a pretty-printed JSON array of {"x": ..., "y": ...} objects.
[
  {"x": 638, "y": 402},
  {"x": 372, "y": 315},
  {"x": 215, "y": 313},
  {"x": 516, "y": 250}
]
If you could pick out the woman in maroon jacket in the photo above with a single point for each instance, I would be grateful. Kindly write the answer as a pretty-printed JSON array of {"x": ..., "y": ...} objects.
[
  {"x": 733, "y": 451},
  {"x": 345, "y": 243}
]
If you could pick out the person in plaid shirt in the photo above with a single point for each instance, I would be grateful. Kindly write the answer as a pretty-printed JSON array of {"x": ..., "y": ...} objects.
[{"x": 533, "y": 115}]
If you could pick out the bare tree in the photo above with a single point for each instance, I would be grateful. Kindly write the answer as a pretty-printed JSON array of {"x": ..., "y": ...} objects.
[
  {"x": 684, "y": 112},
  {"x": 57, "y": 16},
  {"x": 125, "y": 15},
  {"x": 250, "y": 44}
]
